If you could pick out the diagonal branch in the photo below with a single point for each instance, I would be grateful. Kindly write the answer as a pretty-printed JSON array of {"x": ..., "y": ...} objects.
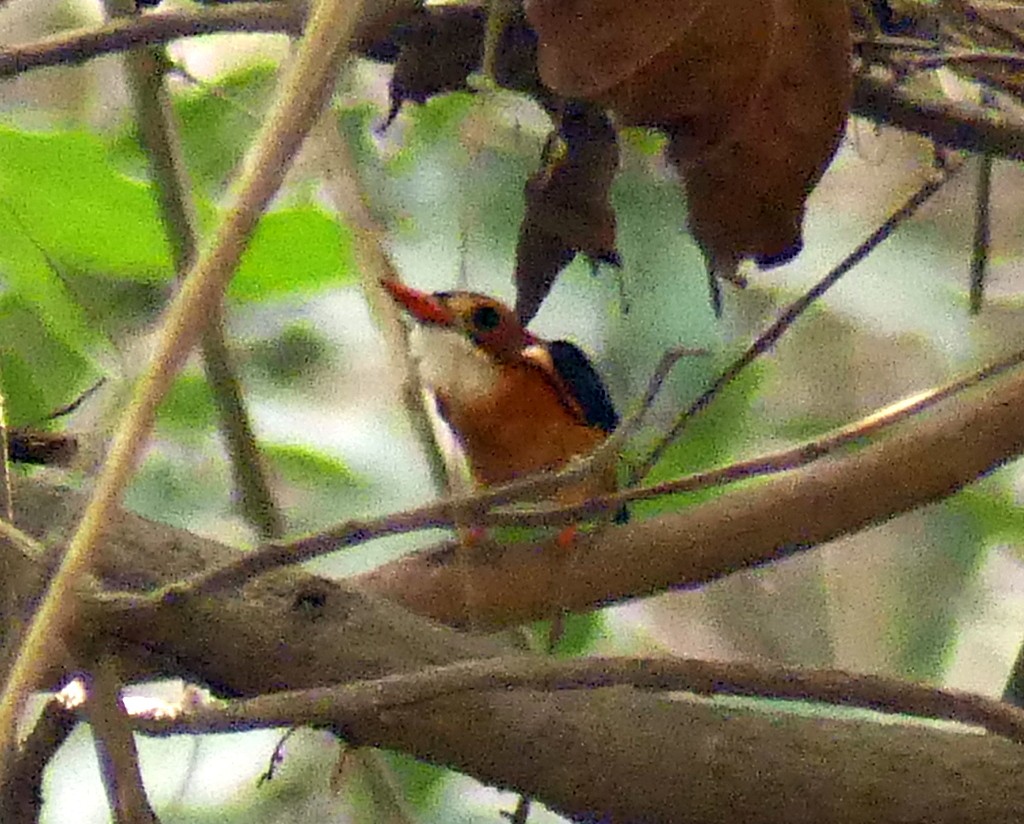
[{"x": 301, "y": 95}]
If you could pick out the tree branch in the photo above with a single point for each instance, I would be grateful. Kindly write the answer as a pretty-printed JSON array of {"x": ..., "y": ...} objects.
[
  {"x": 159, "y": 135},
  {"x": 69, "y": 48},
  {"x": 949, "y": 123},
  {"x": 115, "y": 748},
  {"x": 921, "y": 462},
  {"x": 323, "y": 705},
  {"x": 302, "y": 93},
  {"x": 612, "y": 754},
  {"x": 21, "y": 797}
]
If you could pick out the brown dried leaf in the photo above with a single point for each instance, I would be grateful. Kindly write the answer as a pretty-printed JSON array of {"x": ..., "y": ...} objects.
[
  {"x": 437, "y": 49},
  {"x": 567, "y": 206},
  {"x": 753, "y": 94}
]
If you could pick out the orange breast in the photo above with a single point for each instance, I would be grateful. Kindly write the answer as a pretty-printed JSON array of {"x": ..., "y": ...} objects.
[{"x": 523, "y": 427}]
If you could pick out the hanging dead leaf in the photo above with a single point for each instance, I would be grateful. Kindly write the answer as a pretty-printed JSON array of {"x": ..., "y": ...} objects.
[
  {"x": 38, "y": 447},
  {"x": 435, "y": 51},
  {"x": 567, "y": 207},
  {"x": 752, "y": 93}
]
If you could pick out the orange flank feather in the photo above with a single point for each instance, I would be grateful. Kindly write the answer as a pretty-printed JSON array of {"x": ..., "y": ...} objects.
[{"x": 521, "y": 427}]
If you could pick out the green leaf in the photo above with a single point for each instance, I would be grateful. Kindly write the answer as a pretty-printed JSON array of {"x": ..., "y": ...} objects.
[
  {"x": 430, "y": 125},
  {"x": 706, "y": 442},
  {"x": 305, "y": 467},
  {"x": 995, "y": 513},
  {"x": 296, "y": 250},
  {"x": 23, "y": 394},
  {"x": 419, "y": 780},
  {"x": 68, "y": 197},
  {"x": 296, "y": 354},
  {"x": 180, "y": 492},
  {"x": 933, "y": 581},
  {"x": 189, "y": 408},
  {"x": 39, "y": 372},
  {"x": 647, "y": 142},
  {"x": 26, "y": 273},
  {"x": 579, "y": 632},
  {"x": 357, "y": 122},
  {"x": 218, "y": 121}
]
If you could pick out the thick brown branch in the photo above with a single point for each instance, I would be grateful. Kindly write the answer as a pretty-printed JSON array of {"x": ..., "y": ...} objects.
[{"x": 611, "y": 753}]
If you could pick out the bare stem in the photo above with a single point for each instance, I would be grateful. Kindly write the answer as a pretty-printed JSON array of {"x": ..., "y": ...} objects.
[
  {"x": 159, "y": 134},
  {"x": 115, "y": 749},
  {"x": 301, "y": 96},
  {"x": 767, "y": 339}
]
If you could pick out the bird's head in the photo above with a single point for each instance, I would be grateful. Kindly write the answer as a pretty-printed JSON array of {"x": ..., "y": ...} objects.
[{"x": 488, "y": 324}]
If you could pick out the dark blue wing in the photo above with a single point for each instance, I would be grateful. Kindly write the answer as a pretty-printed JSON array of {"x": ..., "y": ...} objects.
[{"x": 586, "y": 386}]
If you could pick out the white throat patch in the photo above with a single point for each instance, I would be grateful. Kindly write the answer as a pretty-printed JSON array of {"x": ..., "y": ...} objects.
[{"x": 451, "y": 364}]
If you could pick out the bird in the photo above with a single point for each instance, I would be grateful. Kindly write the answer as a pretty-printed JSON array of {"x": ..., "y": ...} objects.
[{"x": 516, "y": 404}]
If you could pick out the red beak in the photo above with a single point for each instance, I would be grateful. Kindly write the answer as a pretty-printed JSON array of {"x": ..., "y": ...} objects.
[{"x": 423, "y": 306}]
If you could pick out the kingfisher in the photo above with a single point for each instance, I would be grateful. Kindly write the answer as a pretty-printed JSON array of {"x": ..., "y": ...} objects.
[{"x": 516, "y": 404}]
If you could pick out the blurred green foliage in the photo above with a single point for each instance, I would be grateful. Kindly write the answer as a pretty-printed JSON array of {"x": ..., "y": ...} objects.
[
  {"x": 296, "y": 355},
  {"x": 294, "y": 252}
]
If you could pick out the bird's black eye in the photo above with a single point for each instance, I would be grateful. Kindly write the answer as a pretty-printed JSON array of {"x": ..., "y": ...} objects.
[{"x": 485, "y": 319}]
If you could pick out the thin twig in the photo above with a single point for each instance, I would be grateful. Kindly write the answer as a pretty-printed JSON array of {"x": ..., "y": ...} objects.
[
  {"x": 276, "y": 758},
  {"x": 982, "y": 230},
  {"x": 767, "y": 339},
  {"x": 895, "y": 43},
  {"x": 521, "y": 814},
  {"x": 330, "y": 705},
  {"x": 69, "y": 48},
  {"x": 982, "y": 233},
  {"x": 70, "y": 407},
  {"x": 6, "y": 493},
  {"x": 26, "y": 544},
  {"x": 115, "y": 749},
  {"x": 301, "y": 96},
  {"x": 351, "y": 201},
  {"x": 939, "y": 59},
  {"x": 159, "y": 135}
]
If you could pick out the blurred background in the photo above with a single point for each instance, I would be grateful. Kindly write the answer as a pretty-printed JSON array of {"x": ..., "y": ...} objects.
[{"x": 936, "y": 595}]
